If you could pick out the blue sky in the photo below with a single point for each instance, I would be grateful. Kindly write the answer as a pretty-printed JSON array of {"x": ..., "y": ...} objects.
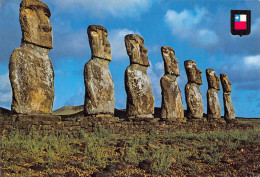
[{"x": 198, "y": 30}]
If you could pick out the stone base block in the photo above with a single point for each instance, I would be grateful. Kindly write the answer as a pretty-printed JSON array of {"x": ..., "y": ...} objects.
[
  {"x": 107, "y": 118},
  {"x": 42, "y": 117},
  {"x": 184, "y": 119},
  {"x": 231, "y": 121}
]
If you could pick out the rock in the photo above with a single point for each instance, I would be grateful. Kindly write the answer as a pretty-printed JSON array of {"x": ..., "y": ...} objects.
[
  {"x": 35, "y": 24},
  {"x": 213, "y": 105},
  {"x": 140, "y": 99},
  {"x": 229, "y": 111},
  {"x": 193, "y": 73},
  {"x": 136, "y": 50},
  {"x": 102, "y": 174},
  {"x": 172, "y": 106},
  {"x": 173, "y": 160},
  {"x": 192, "y": 93},
  {"x": 30, "y": 68},
  {"x": 71, "y": 174},
  {"x": 99, "y": 85},
  {"x": 146, "y": 165},
  {"x": 170, "y": 62},
  {"x": 120, "y": 166},
  {"x": 137, "y": 175}
]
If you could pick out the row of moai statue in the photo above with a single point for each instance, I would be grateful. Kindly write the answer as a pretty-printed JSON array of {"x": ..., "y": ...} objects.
[{"x": 32, "y": 75}]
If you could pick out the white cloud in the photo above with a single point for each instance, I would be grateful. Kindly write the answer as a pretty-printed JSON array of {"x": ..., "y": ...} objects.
[
  {"x": 252, "y": 61},
  {"x": 207, "y": 37},
  {"x": 5, "y": 90},
  {"x": 243, "y": 72},
  {"x": 155, "y": 73},
  {"x": 116, "y": 38},
  {"x": 115, "y": 8},
  {"x": 70, "y": 44},
  {"x": 184, "y": 22},
  {"x": 187, "y": 25}
]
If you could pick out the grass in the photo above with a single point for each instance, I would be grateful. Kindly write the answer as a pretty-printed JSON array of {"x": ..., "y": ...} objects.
[{"x": 176, "y": 154}]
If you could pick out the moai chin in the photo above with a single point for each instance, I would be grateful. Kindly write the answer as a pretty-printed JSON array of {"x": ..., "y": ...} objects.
[
  {"x": 140, "y": 99},
  {"x": 213, "y": 105},
  {"x": 229, "y": 111},
  {"x": 30, "y": 68},
  {"x": 172, "y": 106},
  {"x": 192, "y": 93},
  {"x": 99, "y": 85}
]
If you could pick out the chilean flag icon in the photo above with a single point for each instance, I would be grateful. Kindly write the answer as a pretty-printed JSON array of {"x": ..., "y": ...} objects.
[{"x": 240, "y": 22}]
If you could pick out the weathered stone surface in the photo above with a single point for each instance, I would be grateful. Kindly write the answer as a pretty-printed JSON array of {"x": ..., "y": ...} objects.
[
  {"x": 192, "y": 93},
  {"x": 194, "y": 101},
  {"x": 213, "y": 79},
  {"x": 99, "y": 85},
  {"x": 35, "y": 24},
  {"x": 34, "y": 118},
  {"x": 229, "y": 111},
  {"x": 193, "y": 73},
  {"x": 172, "y": 106},
  {"x": 170, "y": 62},
  {"x": 136, "y": 50},
  {"x": 140, "y": 99},
  {"x": 30, "y": 69},
  {"x": 213, "y": 105}
]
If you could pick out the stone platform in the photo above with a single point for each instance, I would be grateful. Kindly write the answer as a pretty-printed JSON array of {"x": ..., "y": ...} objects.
[{"x": 51, "y": 124}]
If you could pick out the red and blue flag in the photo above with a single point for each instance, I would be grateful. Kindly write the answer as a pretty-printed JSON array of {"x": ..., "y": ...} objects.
[{"x": 240, "y": 22}]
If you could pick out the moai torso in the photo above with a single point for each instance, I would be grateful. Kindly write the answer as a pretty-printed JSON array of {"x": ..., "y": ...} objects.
[
  {"x": 30, "y": 68},
  {"x": 140, "y": 99},
  {"x": 99, "y": 96},
  {"x": 172, "y": 106},
  {"x": 192, "y": 93},
  {"x": 213, "y": 105},
  {"x": 229, "y": 111}
]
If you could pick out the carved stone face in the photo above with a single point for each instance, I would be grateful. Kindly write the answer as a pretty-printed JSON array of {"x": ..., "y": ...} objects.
[
  {"x": 193, "y": 73},
  {"x": 170, "y": 62},
  {"x": 35, "y": 23},
  {"x": 213, "y": 79},
  {"x": 100, "y": 46},
  {"x": 226, "y": 84},
  {"x": 136, "y": 50}
]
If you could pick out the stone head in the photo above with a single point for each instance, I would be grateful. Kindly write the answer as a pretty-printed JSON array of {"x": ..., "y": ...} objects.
[
  {"x": 213, "y": 79},
  {"x": 193, "y": 73},
  {"x": 170, "y": 62},
  {"x": 226, "y": 84},
  {"x": 35, "y": 23},
  {"x": 136, "y": 50},
  {"x": 99, "y": 45}
]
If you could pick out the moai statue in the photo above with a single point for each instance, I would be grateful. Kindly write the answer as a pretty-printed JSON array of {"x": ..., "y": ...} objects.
[
  {"x": 99, "y": 85},
  {"x": 192, "y": 93},
  {"x": 140, "y": 99},
  {"x": 30, "y": 68},
  {"x": 172, "y": 107},
  {"x": 213, "y": 106},
  {"x": 229, "y": 111}
]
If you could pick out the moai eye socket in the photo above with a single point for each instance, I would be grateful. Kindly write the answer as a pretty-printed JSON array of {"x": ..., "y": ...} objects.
[
  {"x": 94, "y": 34},
  {"x": 29, "y": 11}
]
